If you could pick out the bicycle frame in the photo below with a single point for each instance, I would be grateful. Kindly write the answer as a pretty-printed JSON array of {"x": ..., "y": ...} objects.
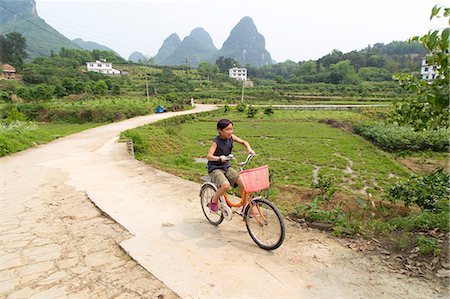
[{"x": 246, "y": 198}]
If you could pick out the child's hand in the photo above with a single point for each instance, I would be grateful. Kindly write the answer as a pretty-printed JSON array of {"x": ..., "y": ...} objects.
[{"x": 251, "y": 152}]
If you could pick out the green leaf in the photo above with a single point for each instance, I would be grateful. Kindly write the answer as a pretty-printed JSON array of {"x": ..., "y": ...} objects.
[
  {"x": 362, "y": 202},
  {"x": 434, "y": 11}
]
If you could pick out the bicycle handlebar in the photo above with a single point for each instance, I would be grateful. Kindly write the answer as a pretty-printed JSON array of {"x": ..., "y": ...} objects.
[{"x": 240, "y": 164}]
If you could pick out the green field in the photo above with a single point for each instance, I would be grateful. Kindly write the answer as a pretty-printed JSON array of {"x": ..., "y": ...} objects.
[{"x": 294, "y": 144}]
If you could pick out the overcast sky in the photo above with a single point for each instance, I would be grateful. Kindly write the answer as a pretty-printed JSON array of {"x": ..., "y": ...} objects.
[{"x": 294, "y": 29}]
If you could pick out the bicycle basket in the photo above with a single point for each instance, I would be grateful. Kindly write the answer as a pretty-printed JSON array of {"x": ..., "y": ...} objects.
[{"x": 255, "y": 179}]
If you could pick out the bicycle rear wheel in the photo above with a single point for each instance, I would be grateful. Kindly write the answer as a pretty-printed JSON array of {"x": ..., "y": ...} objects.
[
  {"x": 206, "y": 193},
  {"x": 265, "y": 224}
]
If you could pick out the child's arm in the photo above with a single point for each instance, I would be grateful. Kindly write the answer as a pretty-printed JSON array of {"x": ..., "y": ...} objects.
[
  {"x": 211, "y": 156},
  {"x": 245, "y": 143}
]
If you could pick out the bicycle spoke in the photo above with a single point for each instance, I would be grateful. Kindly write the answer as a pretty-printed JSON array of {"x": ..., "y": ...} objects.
[{"x": 265, "y": 225}]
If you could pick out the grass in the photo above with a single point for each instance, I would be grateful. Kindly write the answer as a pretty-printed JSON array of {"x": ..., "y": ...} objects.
[
  {"x": 292, "y": 143},
  {"x": 19, "y": 136}
]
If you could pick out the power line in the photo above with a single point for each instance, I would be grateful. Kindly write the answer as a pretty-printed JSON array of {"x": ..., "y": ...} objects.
[
  {"x": 101, "y": 35},
  {"x": 45, "y": 29}
]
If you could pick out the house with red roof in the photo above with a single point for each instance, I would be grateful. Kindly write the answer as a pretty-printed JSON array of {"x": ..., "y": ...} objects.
[{"x": 8, "y": 72}]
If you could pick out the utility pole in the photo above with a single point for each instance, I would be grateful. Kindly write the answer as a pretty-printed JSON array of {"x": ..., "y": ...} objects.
[
  {"x": 242, "y": 96},
  {"x": 146, "y": 86},
  {"x": 187, "y": 78}
]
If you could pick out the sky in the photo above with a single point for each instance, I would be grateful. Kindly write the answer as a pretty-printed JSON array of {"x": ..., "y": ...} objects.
[{"x": 297, "y": 30}]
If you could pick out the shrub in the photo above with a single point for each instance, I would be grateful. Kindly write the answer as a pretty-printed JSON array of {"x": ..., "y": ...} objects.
[
  {"x": 5, "y": 96},
  {"x": 393, "y": 137},
  {"x": 251, "y": 112},
  {"x": 428, "y": 191},
  {"x": 14, "y": 115},
  {"x": 325, "y": 184},
  {"x": 41, "y": 92},
  {"x": 241, "y": 107},
  {"x": 268, "y": 111},
  {"x": 428, "y": 245}
]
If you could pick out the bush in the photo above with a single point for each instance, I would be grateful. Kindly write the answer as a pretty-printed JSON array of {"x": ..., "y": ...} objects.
[
  {"x": 268, "y": 111},
  {"x": 5, "y": 96},
  {"x": 14, "y": 115},
  {"x": 251, "y": 112},
  {"x": 325, "y": 184},
  {"x": 241, "y": 107},
  {"x": 393, "y": 137},
  {"x": 428, "y": 191},
  {"x": 41, "y": 92}
]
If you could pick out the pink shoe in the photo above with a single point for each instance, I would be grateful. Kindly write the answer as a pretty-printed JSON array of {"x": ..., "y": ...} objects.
[{"x": 213, "y": 207}]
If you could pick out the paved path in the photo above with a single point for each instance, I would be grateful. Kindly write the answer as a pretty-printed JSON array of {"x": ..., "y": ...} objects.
[{"x": 55, "y": 243}]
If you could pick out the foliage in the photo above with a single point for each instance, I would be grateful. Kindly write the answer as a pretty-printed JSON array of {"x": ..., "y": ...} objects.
[
  {"x": 343, "y": 72},
  {"x": 313, "y": 212},
  {"x": 100, "y": 110},
  {"x": 18, "y": 135},
  {"x": 251, "y": 111},
  {"x": 241, "y": 107},
  {"x": 226, "y": 63},
  {"x": 428, "y": 245},
  {"x": 374, "y": 74},
  {"x": 12, "y": 49},
  {"x": 429, "y": 109},
  {"x": 100, "y": 88},
  {"x": 393, "y": 137},
  {"x": 325, "y": 184},
  {"x": 5, "y": 96},
  {"x": 14, "y": 115},
  {"x": 268, "y": 111},
  {"x": 428, "y": 191},
  {"x": 424, "y": 221}
]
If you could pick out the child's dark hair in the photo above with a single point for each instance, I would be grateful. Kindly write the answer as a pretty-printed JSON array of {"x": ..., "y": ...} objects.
[{"x": 223, "y": 123}]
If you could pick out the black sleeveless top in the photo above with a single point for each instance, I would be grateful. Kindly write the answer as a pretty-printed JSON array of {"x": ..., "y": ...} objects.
[{"x": 224, "y": 147}]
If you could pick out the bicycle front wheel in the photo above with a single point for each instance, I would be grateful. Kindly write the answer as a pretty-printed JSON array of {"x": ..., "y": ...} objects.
[
  {"x": 206, "y": 193},
  {"x": 265, "y": 224}
]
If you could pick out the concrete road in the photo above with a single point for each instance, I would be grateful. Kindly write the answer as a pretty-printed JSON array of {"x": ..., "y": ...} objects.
[{"x": 162, "y": 227}]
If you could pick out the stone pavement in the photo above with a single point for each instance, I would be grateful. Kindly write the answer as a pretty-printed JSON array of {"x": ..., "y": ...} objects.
[{"x": 57, "y": 244}]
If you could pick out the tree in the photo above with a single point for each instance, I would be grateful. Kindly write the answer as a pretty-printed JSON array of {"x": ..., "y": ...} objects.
[
  {"x": 207, "y": 71},
  {"x": 429, "y": 108},
  {"x": 12, "y": 49},
  {"x": 374, "y": 74},
  {"x": 100, "y": 88},
  {"x": 343, "y": 72},
  {"x": 225, "y": 64}
]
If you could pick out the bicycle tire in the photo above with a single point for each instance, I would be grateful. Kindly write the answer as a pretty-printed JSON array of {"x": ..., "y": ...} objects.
[
  {"x": 269, "y": 235},
  {"x": 206, "y": 193}
]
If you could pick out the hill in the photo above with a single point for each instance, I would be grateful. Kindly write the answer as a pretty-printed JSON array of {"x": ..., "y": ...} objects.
[
  {"x": 168, "y": 47},
  {"x": 89, "y": 45},
  {"x": 196, "y": 47},
  {"x": 246, "y": 45},
  {"x": 137, "y": 57},
  {"x": 21, "y": 16}
]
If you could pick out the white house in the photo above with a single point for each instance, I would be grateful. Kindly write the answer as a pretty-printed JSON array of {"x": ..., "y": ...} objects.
[
  {"x": 427, "y": 71},
  {"x": 238, "y": 73},
  {"x": 102, "y": 67}
]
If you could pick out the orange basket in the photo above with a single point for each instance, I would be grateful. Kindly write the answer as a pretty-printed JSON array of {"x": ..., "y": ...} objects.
[{"x": 255, "y": 179}]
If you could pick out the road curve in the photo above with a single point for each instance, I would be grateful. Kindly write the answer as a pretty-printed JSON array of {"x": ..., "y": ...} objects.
[{"x": 170, "y": 237}]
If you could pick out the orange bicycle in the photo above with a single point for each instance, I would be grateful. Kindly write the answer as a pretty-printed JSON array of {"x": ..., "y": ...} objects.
[{"x": 264, "y": 222}]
